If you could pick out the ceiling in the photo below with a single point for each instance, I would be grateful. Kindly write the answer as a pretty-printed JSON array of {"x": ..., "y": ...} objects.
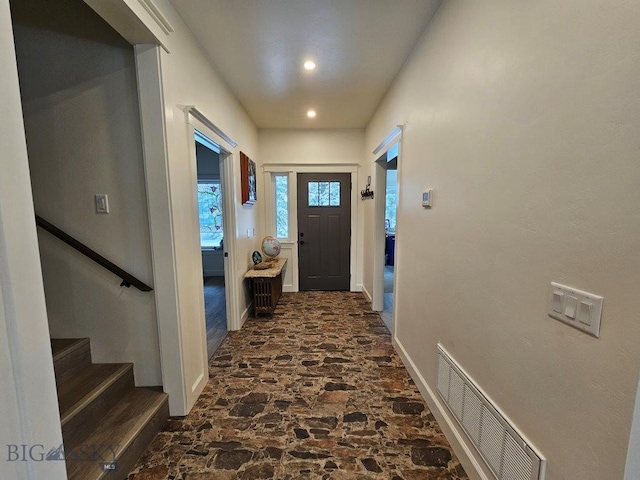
[{"x": 259, "y": 47}]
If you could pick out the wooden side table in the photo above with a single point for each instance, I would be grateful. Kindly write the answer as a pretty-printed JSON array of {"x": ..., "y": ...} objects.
[{"x": 266, "y": 286}]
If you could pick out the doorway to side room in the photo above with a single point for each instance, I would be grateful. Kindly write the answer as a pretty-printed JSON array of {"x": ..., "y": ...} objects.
[
  {"x": 388, "y": 172},
  {"x": 211, "y": 220},
  {"x": 391, "y": 200}
]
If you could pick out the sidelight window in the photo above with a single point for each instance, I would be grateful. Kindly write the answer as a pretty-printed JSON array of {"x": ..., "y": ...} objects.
[{"x": 282, "y": 205}]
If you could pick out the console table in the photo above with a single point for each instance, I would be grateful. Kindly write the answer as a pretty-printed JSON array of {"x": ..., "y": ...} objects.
[{"x": 267, "y": 286}]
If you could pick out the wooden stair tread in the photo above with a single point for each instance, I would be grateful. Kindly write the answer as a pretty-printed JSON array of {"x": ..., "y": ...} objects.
[
  {"x": 70, "y": 357},
  {"x": 63, "y": 346},
  {"x": 80, "y": 389},
  {"x": 120, "y": 426}
]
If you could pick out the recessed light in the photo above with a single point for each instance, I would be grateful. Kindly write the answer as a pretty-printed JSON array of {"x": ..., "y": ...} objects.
[
  {"x": 309, "y": 65},
  {"x": 311, "y": 114}
]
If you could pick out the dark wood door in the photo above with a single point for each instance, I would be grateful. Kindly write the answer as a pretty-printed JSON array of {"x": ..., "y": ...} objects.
[{"x": 324, "y": 230}]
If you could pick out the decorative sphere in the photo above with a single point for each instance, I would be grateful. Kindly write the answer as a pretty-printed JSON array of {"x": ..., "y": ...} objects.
[{"x": 271, "y": 246}]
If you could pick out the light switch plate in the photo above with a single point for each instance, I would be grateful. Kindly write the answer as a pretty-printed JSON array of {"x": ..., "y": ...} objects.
[
  {"x": 102, "y": 203},
  {"x": 581, "y": 310}
]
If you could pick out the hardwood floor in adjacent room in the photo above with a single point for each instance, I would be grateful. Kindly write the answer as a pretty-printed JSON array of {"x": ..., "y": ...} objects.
[
  {"x": 215, "y": 310},
  {"x": 316, "y": 392}
]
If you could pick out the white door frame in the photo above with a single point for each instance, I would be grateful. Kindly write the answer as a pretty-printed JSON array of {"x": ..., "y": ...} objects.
[
  {"x": 165, "y": 281},
  {"x": 228, "y": 212},
  {"x": 181, "y": 390},
  {"x": 379, "y": 208},
  {"x": 293, "y": 170}
]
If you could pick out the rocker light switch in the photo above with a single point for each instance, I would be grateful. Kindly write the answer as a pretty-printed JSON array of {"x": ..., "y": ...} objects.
[
  {"x": 584, "y": 313},
  {"x": 570, "y": 307},
  {"x": 102, "y": 203},
  {"x": 558, "y": 301},
  {"x": 581, "y": 310}
]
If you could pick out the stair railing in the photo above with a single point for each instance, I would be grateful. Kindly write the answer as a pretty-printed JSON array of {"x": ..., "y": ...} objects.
[{"x": 128, "y": 280}]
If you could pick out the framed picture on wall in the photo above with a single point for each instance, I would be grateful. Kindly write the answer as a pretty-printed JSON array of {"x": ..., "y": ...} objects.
[{"x": 247, "y": 180}]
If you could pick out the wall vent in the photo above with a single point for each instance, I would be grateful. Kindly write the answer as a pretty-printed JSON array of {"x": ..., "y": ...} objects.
[{"x": 507, "y": 453}]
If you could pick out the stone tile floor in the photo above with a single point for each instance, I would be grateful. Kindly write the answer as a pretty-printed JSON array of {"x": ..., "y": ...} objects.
[{"x": 316, "y": 392}]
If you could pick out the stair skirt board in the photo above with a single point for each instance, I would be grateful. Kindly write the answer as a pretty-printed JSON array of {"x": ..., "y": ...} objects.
[
  {"x": 507, "y": 453},
  {"x": 100, "y": 407}
]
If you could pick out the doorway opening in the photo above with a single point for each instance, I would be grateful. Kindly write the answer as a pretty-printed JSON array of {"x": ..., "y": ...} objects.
[
  {"x": 212, "y": 228},
  {"x": 390, "y": 167},
  {"x": 384, "y": 289}
]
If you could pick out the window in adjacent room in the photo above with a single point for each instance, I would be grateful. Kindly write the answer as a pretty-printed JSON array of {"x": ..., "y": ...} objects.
[{"x": 210, "y": 213}]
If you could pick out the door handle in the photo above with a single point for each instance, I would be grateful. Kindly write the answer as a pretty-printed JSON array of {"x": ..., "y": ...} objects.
[{"x": 301, "y": 242}]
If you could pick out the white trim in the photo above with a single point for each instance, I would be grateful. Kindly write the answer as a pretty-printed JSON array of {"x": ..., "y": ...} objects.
[
  {"x": 380, "y": 173},
  {"x": 156, "y": 167},
  {"x": 632, "y": 468},
  {"x": 396, "y": 250},
  {"x": 380, "y": 184},
  {"x": 293, "y": 226},
  {"x": 462, "y": 446},
  {"x": 198, "y": 385},
  {"x": 234, "y": 321},
  {"x": 366, "y": 293},
  {"x": 134, "y": 21},
  {"x": 157, "y": 16},
  {"x": 245, "y": 313},
  {"x": 312, "y": 167},
  {"x": 197, "y": 115},
  {"x": 389, "y": 139},
  {"x": 204, "y": 140}
]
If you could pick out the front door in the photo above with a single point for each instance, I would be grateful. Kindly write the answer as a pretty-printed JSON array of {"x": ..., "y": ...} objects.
[{"x": 324, "y": 230}]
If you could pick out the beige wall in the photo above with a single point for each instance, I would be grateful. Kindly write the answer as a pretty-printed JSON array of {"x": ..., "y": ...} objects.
[
  {"x": 311, "y": 147},
  {"x": 523, "y": 117},
  {"x": 78, "y": 85}
]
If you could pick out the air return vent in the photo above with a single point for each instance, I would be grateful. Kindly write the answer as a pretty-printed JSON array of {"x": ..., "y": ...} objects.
[{"x": 509, "y": 456}]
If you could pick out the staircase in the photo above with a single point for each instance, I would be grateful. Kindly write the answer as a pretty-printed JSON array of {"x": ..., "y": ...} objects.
[{"x": 107, "y": 422}]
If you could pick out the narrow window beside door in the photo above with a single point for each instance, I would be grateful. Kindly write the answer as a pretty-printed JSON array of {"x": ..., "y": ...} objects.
[{"x": 282, "y": 205}]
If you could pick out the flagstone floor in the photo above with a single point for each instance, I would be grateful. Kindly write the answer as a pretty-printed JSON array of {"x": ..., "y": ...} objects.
[{"x": 316, "y": 392}]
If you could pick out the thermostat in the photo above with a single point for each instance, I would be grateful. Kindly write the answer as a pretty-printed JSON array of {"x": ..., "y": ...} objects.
[{"x": 426, "y": 198}]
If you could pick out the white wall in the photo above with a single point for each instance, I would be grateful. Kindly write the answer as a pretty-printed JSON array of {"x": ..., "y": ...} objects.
[
  {"x": 28, "y": 400},
  {"x": 311, "y": 147},
  {"x": 523, "y": 117},
  {"x": 78, "y": 84},
  {"x": 295, "y": 150}
]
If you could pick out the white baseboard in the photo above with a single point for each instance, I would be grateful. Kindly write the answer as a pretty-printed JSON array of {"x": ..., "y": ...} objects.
[
  {"x": 465, "y": 451},
  {"x": 245, "y": 314},
  {"x": 367, "y": 294}
]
